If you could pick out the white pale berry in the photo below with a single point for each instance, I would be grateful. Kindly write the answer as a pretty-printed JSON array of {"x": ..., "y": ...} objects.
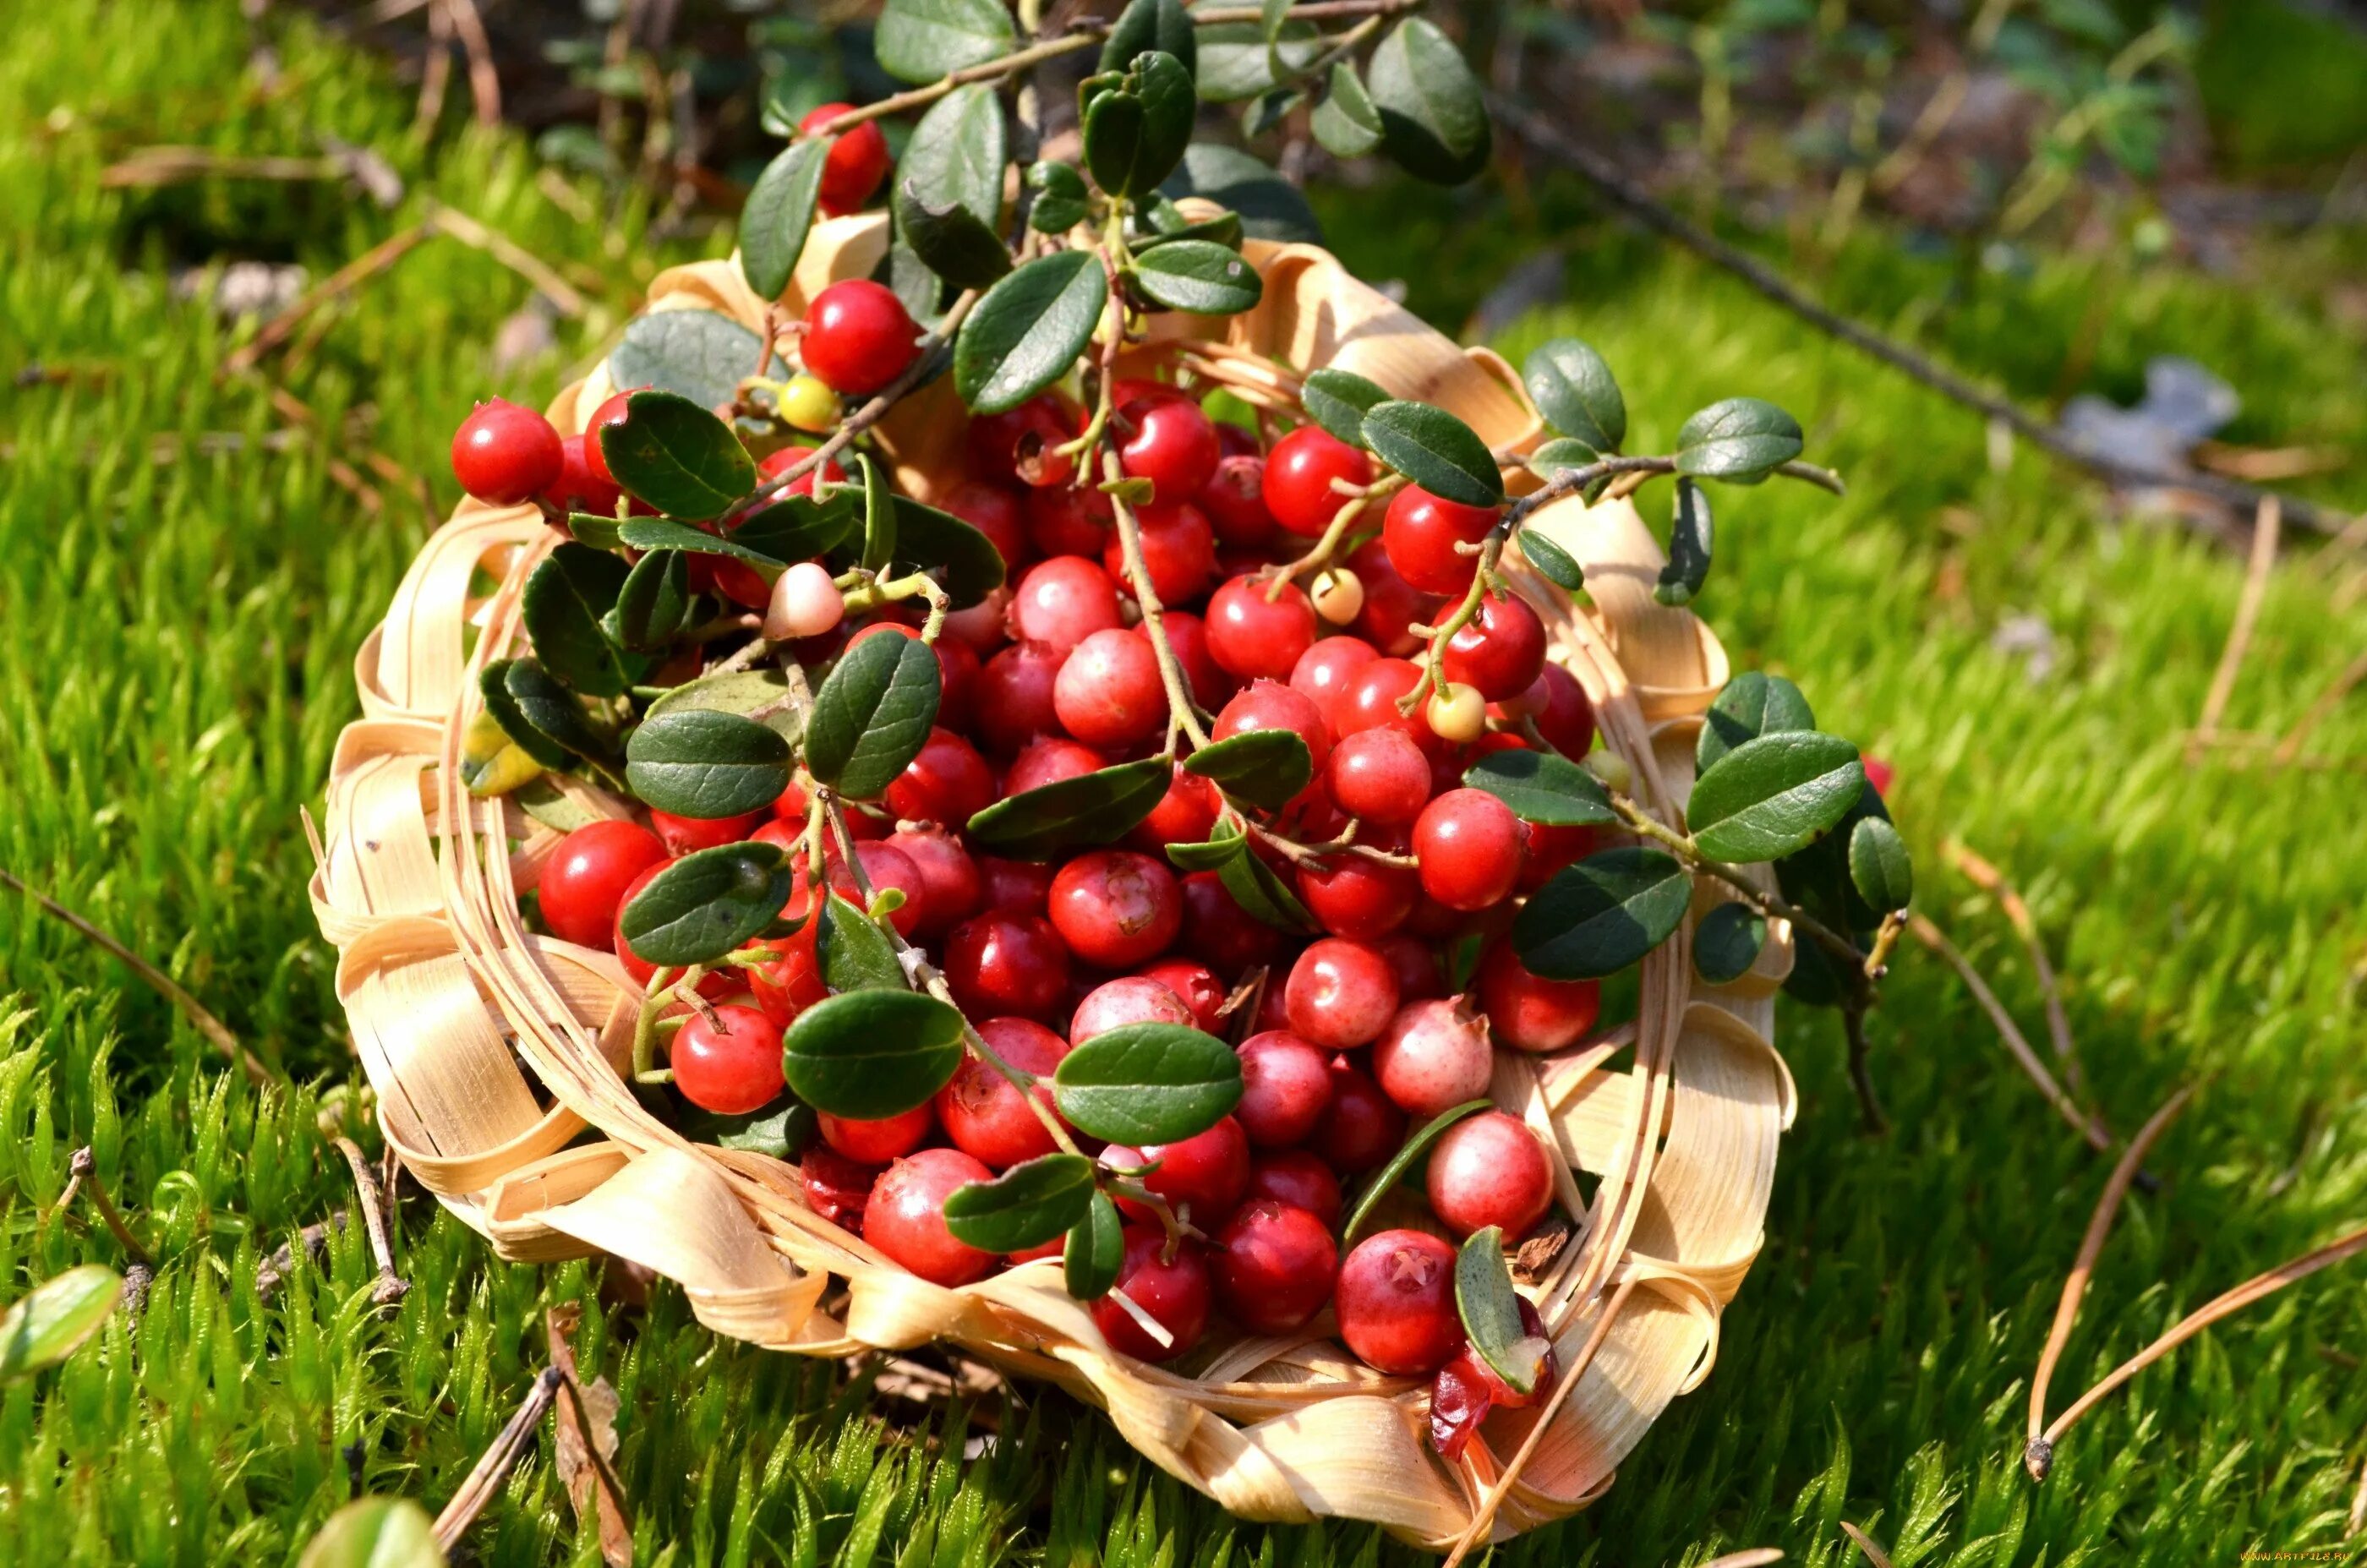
[{"x": 805, "y": 603}]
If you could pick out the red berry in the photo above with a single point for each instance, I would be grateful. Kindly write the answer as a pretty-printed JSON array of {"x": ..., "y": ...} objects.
[
  {"x": 1269, "y": 705},
  {"x": 1325, "y": 669},
  {"x": 852, "y": 169},
  {"x": 1015, "y": 701},
  {"x": 1130, "y": 999},
  {"x": 790, "y": 981},
  {"x": 1299, "y": 1179},
  {"x": 886, "y": 866},
  {"x": 1211, "y": 684},
  {"x": 731, "y": 1066},
  {"x": 1490, "y": 1170},
  {"x": 1198, "y": 985},
  {"x": 1567, "y": 721},
  {"x": 1298, "y": 475},
  {"x": 858, "y": 336},
  {"x": 1017, "y": 443},
  {"x": 1049, "y": 760},
  {"x": 1066, "y": 521},
  {"x": 995, "y": 510},
  {"x": 582, "y": 883},
  {"x": 1109, "y": 693},
  {"x": 1415, "y": 963},
  {"x": 948, "y": 877},
  {"x": 877, "y": 1143},
  {"x": 1879, "y": 773},
  {"x": 1392, "y": 605},
  {"x": 1208, "y": 1171},
  {"x": 1274, "y": 1267},
  {"x": 1218, "y": 932},
  {"x": 1257, "y": 637},
  {"x": 984, "y": 1113},
  {"x": 1173, "y": 445},
  {"x": 1006, "y": 961},
  {"x": 1340, "y": 995},
  {"x": 1380, "y": 775},
  {"x": 1468, "y": 1389},
  {"x": 610, "y": 413},
  {"x": 688, "y": 835},
  {"x": 1177, "y": 548},
  {"x": 1234, "y": 499},
  {"x": 1174, "y": 1293},
  {"x": 1551, "y": 848},
  {"x": 1285, "y": 1084},
  {"x": 836, "y": 1187},
  {"x": 1433, "y": 1056},
  {"x": 1019, "y": 885},
  {"x": 578, "y": 488},
  {"x": 1186, "y": 814},
  {"x": 1530, "y": 1012},
  {"x": 906, "y": 1216},
  {"x": 1396, "y": 1303},
  {"x": 1115, "y": 908},
  {"x": 1371, "y": 703},
  {"x": 1361, "y": 1128},
  {"x": 1500, "y": 650},
  {"x": 1062, "y": 602},
  {"x": 1470, "y": 845},
  {"x": 946, "y": 782},
  {"x": 1357, "y": 896},
  {"x": 503, "y": 454},
  {"x": 1419, "y": 532}
]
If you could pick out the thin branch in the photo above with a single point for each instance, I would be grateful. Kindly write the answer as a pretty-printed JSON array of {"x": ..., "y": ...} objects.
[
  {"x": 457, "y": 225},
  {"x": 343, "y": 281},
  {"x": 83, "y": 1175},
  {"x": 1874, "y": 1554},
  {"x": 1861, "y": 1072},
  {"x": 1992, "y": 881},
  {"x": 272, "y": 1272},
  {"x": 484, "y": 82},
  {"x": 2265, "y": 528},
  {"x": 494, "y": 1466},
  {"x": 391, "y": 1287},
  {"x": 2289, "y": 748}
]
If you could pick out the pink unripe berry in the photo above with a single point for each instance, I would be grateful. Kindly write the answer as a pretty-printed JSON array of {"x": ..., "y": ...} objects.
[{"x": 806, "y": 603}]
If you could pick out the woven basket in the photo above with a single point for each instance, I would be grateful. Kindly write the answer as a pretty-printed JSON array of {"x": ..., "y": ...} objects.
[{"x": 493, "y": 1050}]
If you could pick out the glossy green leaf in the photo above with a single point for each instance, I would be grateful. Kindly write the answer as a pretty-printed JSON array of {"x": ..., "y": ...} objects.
[
  {"x": 1263, "y": 894},
  {"x": 706, "y": 763},
  {"x": 1879, "y": 866},
  {"x": 1237, "y": 59},
  {"x": 878, "y": 514},
  {"x": 1557, "y": 565},
  {"x": 1740, "y": 440},
  {"x": 1062, "y": 200},
  {"x": 707, "y": 904},
  {"x": 1099, "y": 807},
  {"x": 1149, "y": 24},
  {"x": 854, "y": 953},
  {"x": 1339, "y": 400},
  {"x": 502, "y": 709},
  {"x": 1689, "y": 548},
  {"x": 49, "y": 1322},
  {"x": 1752, "y": 705},
  {"x": 546, "y": 802},
  {"x": 1269, "y": 109},
  {"x": 1148, "y": 1083},
  {"x": 1490, "y": 1310},
  {"x": 789, "y": 528},
  {"x": 1727, "y": 942},
  {"x": 1769, "y": 796},
  {"x": 948, "y": 188},
  {"x": 1264, "y": 767},
  {"x": 1434, "y": 119},
  {"x": 599, "y": 533},
  {"x": 964, "y": 560},
  {"x": 1389, "y": 1175},
  {"x": 698, "y": 354},
  {"x": 1136, "y": 131},
  {"x": 1025, "y": 1206},
  {"x": 951, "y": 240},
  {"x": 1553, "y": 459},
  {"x": 1270, "y": 207},
  {"x": 1573, "y": 387},
  {"x": 1199, "y": 277},
  {"x": 677, "y": 457},
  {"x": 872, "y": 716},
  {"x": 1222, "y": 845},
  {"x": 745, "y": 692},
  {"x": 375, "y": 1532},
  {"x": 1096, "y": 1250},
  {"x": 1605, "y": 913},
  {"x": 919, "y": 40},
  {"x": 655, "y": 602},
  {"x": 1436, "y": 451},
  {"x": 552, "y": 710},
  {"x": 665, "y": 534},
  {"x": 781, "y": 1129},
  {"x": 1346, "y": 122},
  {"x": 871, "y": 1055},
  {"x": 565, "y": 596},
  {"x": 1028, "y": 330},
  {"x": 1543, "y": 787},
  {"x": 779, "y": 214}
]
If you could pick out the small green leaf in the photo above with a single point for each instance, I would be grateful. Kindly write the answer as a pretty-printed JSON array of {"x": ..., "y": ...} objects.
[
  {"x": 1599, "y": 915},
  {"x": 46, "y": 1324},
  {"x": 919, "y": 290},
  {"x": 871, "y": 1055},
  {"x": 665, "y": 534},
  {"x": 494, "y": 685},
  {"x": 1028, "y": 330},
  {"x": 707, "y": 904},
  {"x": 1879, "y": 866},
  {"x": 1221, "y": 846},
  {"x": 698, "y": 354},
  {"x": 789, "y": 528},
  {"x": 948, "y": 189},
  {"x": 565, "y": 596},
  {"x": 1557, "y": 565},
  {"x": 1238, "y": 60},
  {"x": 677, "y": 457},
  {"x": 375, "y": 1532},
  {"x": 872, "y": 716},
  {"x": 1750, "y": 706},
  {"x": 779, "y": 214},
  {"x": 878, "y": 514},
  {"x": 1095, "y": 1251},
  {"x": 854, "y": 953},
  {"x": 744, "y": 692},
  {"x": 964, "y": 560},
  {"x": 1264, "y": 767},
  {"x": 654, "y": 601},
  {"x": 1270, "y": 207},
  {"x": 1099, "y": 807},
  {"x": 706, "y": 764},
  {"x": 1727, "y": 942},
  {"x": 1199, "y": 277},
  {"x": 1689, "y": 546},
  {"x": 780, "y": 1129},
  {"x": 1389, "y": 1175},
  {"x": 1541, "y": 787},
  {"x": 1061, "y": 199},
  {"x": 550, "y": 709},
  {"x": 1148, "y": 1083},
  {"x": 919, "y": 40},
  {"x": 1339, "y": 400},
  {"x": 1553, "y": 459},
  {"x": 1345, "y": 122},
  {"x": 1436, "y": 451},
  {"x": 1269, "y": 109},
  {"x": 1769, "y": 796},
  {"x": 546, "y": 802},
  {"x": 1136, "y": 130},
  {"x": 1490, "y": 1310},
  {"x": 1740, "y": 440},
  {"x": 1434, "y": 119},
  {"x": 950, "y": 240},
  {"x": 1149, "y": 24},
  {"x": 589, "y": 528},
  {"x": 1575, "y": 390},
  {"x": 1025, "y": 1206},
  {"x": 1263, "y": 894}
]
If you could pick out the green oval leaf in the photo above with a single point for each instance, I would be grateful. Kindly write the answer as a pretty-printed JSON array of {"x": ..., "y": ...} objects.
[
  {"x": 1558, "y": 457},
  {"x": 565, "y": 596},
  {"x": 1605, "y": 913},
  {"x": 1209, "y": 856},
  {"x": 1061, "y": 199},
  {"x": 494, "y": 685},
  {"x": 1543, "y": 787},
  {"x": 963, "y": 559},
  {"x": 1879, "y": 866},
  {"x": 1339, "y": 400},
  {"x": 1148, "y": 1083},
  {"x": 1345, "y": 122},
  {"x": 872, "y": 1054},
  {"x": 375, "y": 1532},
  {"x": 1025, "y": 1206},
  {"x": 878, "y": 514},
  {"x": 1149, "y": 24},
  {"x": 1727, "y": 942},
  {"x": 1433, "y": 121},
  {"x": 791, "y": 528},
  {"x": 779, "y": 214},
  {"x": 854, "y": 953},
  {"x": 1490, "y": 1310},
  {"x": 654, "y": 601},
  {"x": 1740, "y": 440},
  {"x": 1689, "y": 545},
  {"x": 1099, "y": 807},
  {"x": 665, "y": 534},
  {"x": 677, "y": 457},
  {"x": 1136, "y": 131},
  {"x": 744, "y": 692},
  {"x": 1028, "y": 330},
  {"x": 1096, "y": 1250},
  {"x": 872, "y": 716},
  {"x": 699, "y": 354},
  {"x": 1236, "y": 61},
  {"x": 1752, "y": 705},
  {"x": 1769, "y": 796},
  {"x": 1264, "y": 767},
  {"x": 1199, "y": 277},
  {"x": 1389, "y": 1175},
  {"x": 950, "y": 240},
  {"x": 707, "y": 904},
  {"x": 1436, "y": 451},
  {"x": 51, "y": 1321},
  {"x": 1270, "y": 207},
  {"x": 919, "y": 40},
  {"x": 1557, "y": 565},
  {"x": 1263, "y": 894},
  {"x": 706, "y": 763},
  {"x": 549, "y": 708},
  {"x": 1573, "y": 387},
  {"x": 949, "y": 189}
]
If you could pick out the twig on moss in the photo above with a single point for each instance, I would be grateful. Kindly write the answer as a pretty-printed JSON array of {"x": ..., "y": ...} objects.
[
  {"x": 494, "y": 1466},
  {"x": 2288, "y": 748},
  {"x": 1861, "y": 1072},
  {"x": 343, "y": 281},
  {"x": 1992, "y": 881},
  {"x": 82, "y": 1168},
  {"x": 391, "y": 1287},
  {"x": 1865, "y": 1543},
  {"x": 2265, "y": 529},
  {"x": 273, "y": 1271}
]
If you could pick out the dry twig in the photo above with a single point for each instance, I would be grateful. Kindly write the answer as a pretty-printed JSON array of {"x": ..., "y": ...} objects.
[
  {"x": 2288, "y": 749},
  {"x": 494, "y": 1466},
  {"x": 83, "y": 1174},
  {"x": 273, "y": 1271},
  {"x": 2266, "y": 526},
  {"x": 1992, "y": 881},
  {"x": 391, "y": 1286},
  {"x": 1874, "y": 1554}
]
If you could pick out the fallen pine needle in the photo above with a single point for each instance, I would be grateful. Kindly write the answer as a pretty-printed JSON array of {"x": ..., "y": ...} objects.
[
  {"x": 1874, "y": 1554},
  {"x": 391, "y": 1287},
  {"x": 2265, "y": 524},
  {"x": 1756, "y": 1557},
  {"x": 2289, "y": 748},
  {"x": 1993, "y": 881},
  {"x": 494, "y": 1466}
]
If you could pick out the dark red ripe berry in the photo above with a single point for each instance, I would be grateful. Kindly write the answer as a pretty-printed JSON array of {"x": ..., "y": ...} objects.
[
  {"x": 1274, "y": 1267},
  {"x": 1174, "y": 1293},
  {"x": 946, "y": 782},
  {"x": 1049, "y": 760},
  {"x": 1218, "y": 932},
  {"x": 995, "y": 510},
  {"x": 1255, "y": 636},
  {"x": 731, "y": 1065},
  {"x": 1017, "y": 444},
  {"x": 1186, "y": 814},
  {"x": 1419, "y": 532},
  {"x": 1285, "y": 1084},
  {"x": 1468, "y": 1389},
  {"x": 1006, "y": 961},
  {"x": 1500, "y": 652},
  {"x": 1015, "y": 696},
  {"x": 1380, "y": 775},
  {"x": 1392, "y": 605},
  {"x": 1299, "y": 1178},
  {"x": 1234, "y": 499},
  {"x": 984, "y": 1113},
  {"x": 1114, "y": 1004},
  {"x": 947, "y": 873},
  {"x": 1018, "y": 884},
  {"x": 1550, "y": 847},
  {"x": 1108, "y": 694},
  {"x": 877, "y": 1143},
  {"x": 1371, "y": 703},
  {"x": 578, "y": 488},
  {"x": 1568, "y": 723},
  {"x": 1415, "y": 963},
  {"x": 688, "y": 835},
  {"x": 1433, "y": 1056},
  {"x": 1173, "y": 445},
  {"x": 1361, "y": 1129},
  {"x": 1062, "y": 602},
  {"x": 1355, "y": 896},
  {"x": 858, "y": 336},
  {"x": 790, "y": 981},
  {"x": 1066, "y": 521},
  {"x": 1470, "y": 845},
  {"x": 1207, "y": 1170},
  {"x": 1198, "y": 985},
  {"x": 851, "y": 169},
  {"x": 1325, "y": 669},
  {"x": 1269, "y": 705},
  {"x": 1211, "y": 684},
  {"x": 906, "y": 1216},
  {"x": 582, "y": 883},
  {"x": 1490, "y": 1170},
  {"x": 1396, "y": 1303},
  {"x": 611, "y": 413},
  {"x": 503, "y": 454},
  {"x": 835, "y": 1187},
  {"x": 1530, "y": 1012},
  {"x": 886, "y": 866},
  {"x": 1115, "y": 908},
  {"x": 1298, "y": 475},
  {"x": 1340, "y": 995},
  {"x": 1177, "y": 548}
]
